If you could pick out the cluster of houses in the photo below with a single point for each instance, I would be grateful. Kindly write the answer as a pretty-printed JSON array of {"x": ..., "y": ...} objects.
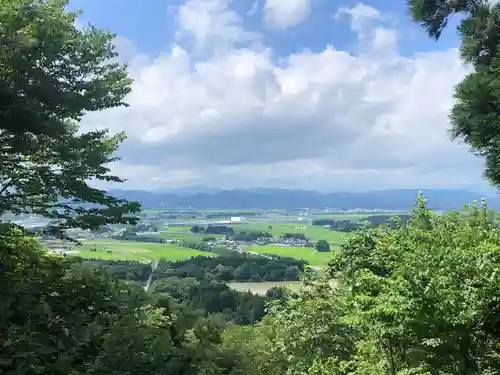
[{"x": 231, "y": 243}]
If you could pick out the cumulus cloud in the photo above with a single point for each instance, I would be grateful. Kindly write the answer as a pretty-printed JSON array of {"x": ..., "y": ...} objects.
[
  {"x": 281, "y": 14},
  {"x": 211, "y": 23},
  {"x": 247, "y": 116}
]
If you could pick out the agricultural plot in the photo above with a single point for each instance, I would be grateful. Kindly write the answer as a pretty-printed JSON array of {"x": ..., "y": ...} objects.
[
  {"x": 137, "y": 251},
  {"x": 312, "y": 256},
  {"x": 183, "y": 234},
  {"x": 277, "y": 229},
  {"x": 355, "y": 215}
]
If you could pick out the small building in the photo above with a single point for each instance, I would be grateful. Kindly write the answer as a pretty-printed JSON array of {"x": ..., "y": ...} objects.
[{"x": 237, "y": 219}]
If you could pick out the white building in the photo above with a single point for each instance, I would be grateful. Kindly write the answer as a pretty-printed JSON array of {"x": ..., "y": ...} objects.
[{"x": 237, "y": 219}]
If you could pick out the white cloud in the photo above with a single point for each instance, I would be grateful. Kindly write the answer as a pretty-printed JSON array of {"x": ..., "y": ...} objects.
[
  {"x": 211, "y": 22},
  {"x": 245, "y": 116},
  {"x": 359, "y": 15},
  {"x": 281, "y": 14}
]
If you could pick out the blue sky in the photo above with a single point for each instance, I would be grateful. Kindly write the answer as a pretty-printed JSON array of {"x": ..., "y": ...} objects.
[
  {"x": 315, "y": 94},
  {"x": 152, "y": 25}
]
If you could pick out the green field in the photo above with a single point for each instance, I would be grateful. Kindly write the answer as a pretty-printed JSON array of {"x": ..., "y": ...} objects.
[
  {"x": 154, "y": 211},
  {"x": 354, "y": 215},
  {"x": 137, "y": 251},
  {"x": 314, "y": 257},
  {"x": 182, "y": 233},
  {"x": 314, "y": 233},
  {"x": 262, "y": 287},
  {"x": 277, "y": 229},
  {"x": 208, "y": 211}
]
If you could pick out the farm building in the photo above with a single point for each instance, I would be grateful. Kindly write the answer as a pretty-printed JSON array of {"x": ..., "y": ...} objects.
[{"x": 238, "y": 219}]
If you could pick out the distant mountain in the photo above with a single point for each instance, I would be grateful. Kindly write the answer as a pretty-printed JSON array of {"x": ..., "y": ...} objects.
[
  {"x": 282, "y": 198},
  {"x": 190, "y": 190}
]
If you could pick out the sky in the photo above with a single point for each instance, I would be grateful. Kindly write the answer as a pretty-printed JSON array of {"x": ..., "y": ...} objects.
[{"x": 309, "y": 94}]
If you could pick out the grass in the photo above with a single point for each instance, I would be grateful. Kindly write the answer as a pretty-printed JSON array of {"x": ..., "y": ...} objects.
[
  {"x": 137, "y": 251},
  {"x": 213, "y": 211},
  {"x": 355, "y": 215},
  {"x": 314, "y": 233},
  {"x": 154, "y": 211},
  {"x": 314, "y": 257},
  {"x": 182, "y": 233},
  {"x": 262, "y": 287}
]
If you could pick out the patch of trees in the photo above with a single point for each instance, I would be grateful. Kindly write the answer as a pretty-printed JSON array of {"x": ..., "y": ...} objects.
[
  {"x": 234, "y": 267},
  {"x": 339, "y": 225},
  {"x": 322, "y": 246},
  {"x": 295, "y": 236},
  {"x": 388, "y": 220},
  {"x": 134, "y": 237},
  {"x": 345, "y": 226},
  {"x": 371, "y": 221},
  {"x": 209, "y": 239},
  {"x": 324, "y": 222},
  {"x": 213, "y": 298},
  {"x": 213, "y": 229},
  {"x": 141, "y": 227},
  {"x": 250, "y": 235},
  {"x": 196, "y": 245},
  {"x": 238, "y": 267}
]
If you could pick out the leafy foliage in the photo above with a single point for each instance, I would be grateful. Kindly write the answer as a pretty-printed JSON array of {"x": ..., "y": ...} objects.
[
  {"x": 322, "y": 246},
  {"x": 433, "y": 15},
  {"x": 51, "y": 73},
  {"x": 57, "y": 318},
  {"x": 474, "y": 116},
  {"x": 231, "y": 267},
  {"x": 419, "y": 299}
]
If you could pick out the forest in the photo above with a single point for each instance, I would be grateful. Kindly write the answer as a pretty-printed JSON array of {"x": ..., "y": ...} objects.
[
  {"x": 420, "y": 297},
  {"x": 230, "y": 267},
  {"x": 197, "y": 287}
]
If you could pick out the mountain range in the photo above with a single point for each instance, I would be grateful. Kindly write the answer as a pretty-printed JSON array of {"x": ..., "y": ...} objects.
[{"x": 263, "y": 198}]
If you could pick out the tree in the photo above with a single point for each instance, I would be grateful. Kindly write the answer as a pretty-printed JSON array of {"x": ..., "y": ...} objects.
[
  {"x": 322, "y": 246},
  {"x": 58, "y": 317},
  {"x": 51, "y": 73},
  {"x": 475, "y": 117},
  {"x": 421, "y": 298},
  {"x": 243, "y": 272}
]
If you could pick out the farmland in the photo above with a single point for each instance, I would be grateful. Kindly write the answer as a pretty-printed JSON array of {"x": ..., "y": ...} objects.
[
  {"x": 277, "y": 229},
  {"x": 175, "y": 228},
  {"x": 312, "y": 256},
  {"x": 136, "y": 251}
]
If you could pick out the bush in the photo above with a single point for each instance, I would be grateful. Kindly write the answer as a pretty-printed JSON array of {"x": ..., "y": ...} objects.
[{"x": 322, "y": 246}]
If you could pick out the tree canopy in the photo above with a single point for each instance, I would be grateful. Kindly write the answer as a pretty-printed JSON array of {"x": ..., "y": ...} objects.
[
  {"x": 422, "y": 298},
  {"x": 322, "y": 246},
  {"x": 475, "y": 117},
  {"x": 52, "y": 73}
]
